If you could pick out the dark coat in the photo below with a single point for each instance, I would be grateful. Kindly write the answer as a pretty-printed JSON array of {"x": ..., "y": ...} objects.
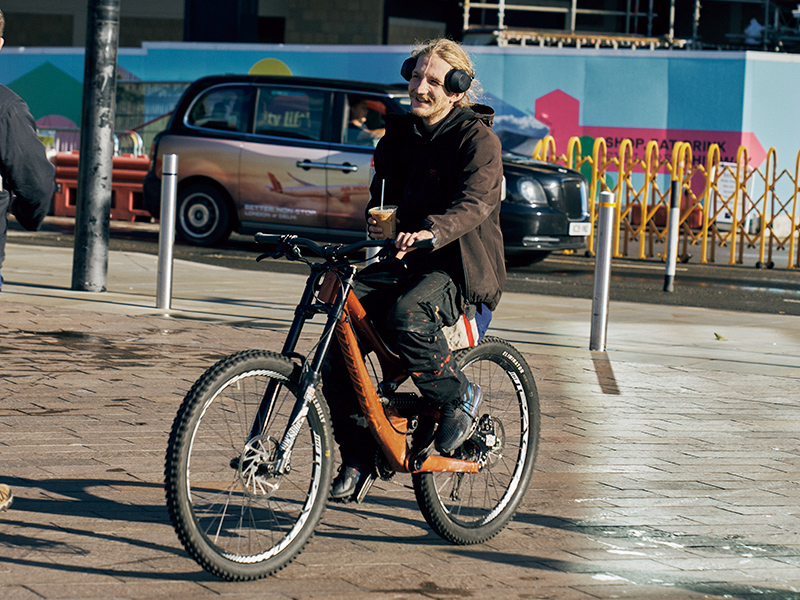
[
  {"x": 26, "y": 172},
  {"x": 448, "y": 182}
]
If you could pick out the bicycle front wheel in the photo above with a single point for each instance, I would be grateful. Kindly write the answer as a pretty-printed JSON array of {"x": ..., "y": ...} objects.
[
  {"x": 472, "y": 508},
  {"x": 234, "y": 514}
]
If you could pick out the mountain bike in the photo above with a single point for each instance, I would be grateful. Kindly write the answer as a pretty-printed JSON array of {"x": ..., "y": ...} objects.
[{"x": 249, "y": 463}]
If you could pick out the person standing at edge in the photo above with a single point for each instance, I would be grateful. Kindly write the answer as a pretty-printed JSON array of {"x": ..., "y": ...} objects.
[
  {"x": 28, "y": 179},
  {"x": 441, "y": 165}
]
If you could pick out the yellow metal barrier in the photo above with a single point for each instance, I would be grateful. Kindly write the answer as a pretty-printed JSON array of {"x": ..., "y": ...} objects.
[
  {"x": 722, "y": 204},
  {"x": 709, "y": 216},
  {"x": 795, "y": 217}
]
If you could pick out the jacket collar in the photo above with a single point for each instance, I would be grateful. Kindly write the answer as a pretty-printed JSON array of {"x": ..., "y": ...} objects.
[{"x": 458, "y": 115}]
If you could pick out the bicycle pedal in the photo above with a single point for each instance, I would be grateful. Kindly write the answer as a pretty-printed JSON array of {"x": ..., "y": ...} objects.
[{"x": 363, "y": 487}]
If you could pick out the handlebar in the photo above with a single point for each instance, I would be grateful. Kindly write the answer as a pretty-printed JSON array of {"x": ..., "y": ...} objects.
[{"x": 288, "y": 245}]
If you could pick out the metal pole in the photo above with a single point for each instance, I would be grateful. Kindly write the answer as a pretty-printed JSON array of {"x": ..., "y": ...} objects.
[
  {"x": 93, "y": 211},
  {"x": 602, "y": 271},
  {"x": 696, "y": 26},
  {"x": 671, "y": 34},
  {"x": 573, "y": 16},
  {"x": 166, "y": 232},
  {"x": 628, "y": 16},
  {"x": 672, "y": 239}
]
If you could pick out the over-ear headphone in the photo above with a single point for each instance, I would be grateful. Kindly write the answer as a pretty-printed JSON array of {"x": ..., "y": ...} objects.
[{"x": 455, "y": 82}]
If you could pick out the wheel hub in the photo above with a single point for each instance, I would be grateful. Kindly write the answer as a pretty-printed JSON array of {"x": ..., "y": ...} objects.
[
  {"x": 489, "y": 439},
  {"x": 256, "y": 467},
  {"x": 199, "y": 216}
]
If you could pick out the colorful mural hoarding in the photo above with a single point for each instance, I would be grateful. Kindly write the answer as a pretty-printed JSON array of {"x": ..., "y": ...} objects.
[
  {"x": 561, "y": 113},
  {"x": 700, "y": 97}
]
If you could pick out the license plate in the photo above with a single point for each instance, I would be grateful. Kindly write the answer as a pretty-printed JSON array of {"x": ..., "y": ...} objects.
[{"x": 582, "y": 229}]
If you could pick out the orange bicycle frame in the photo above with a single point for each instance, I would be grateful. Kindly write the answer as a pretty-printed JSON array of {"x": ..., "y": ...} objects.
[{"x": 389, "y": 428}]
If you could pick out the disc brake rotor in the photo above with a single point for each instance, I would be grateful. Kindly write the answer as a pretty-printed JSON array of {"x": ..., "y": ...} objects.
[
  {"x": 256, "y": 467},
  {"x": 489, "y": 438}
]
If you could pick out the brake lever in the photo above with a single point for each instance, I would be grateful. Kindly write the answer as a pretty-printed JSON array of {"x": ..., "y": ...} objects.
[
  {"x": 269, "y": 255},
  {"x": 388, "y": 250},
  {"x": 290, "y": 251}
]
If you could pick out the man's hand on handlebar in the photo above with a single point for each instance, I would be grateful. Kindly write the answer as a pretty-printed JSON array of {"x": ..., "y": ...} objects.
[{"x": 405, "y": 240}]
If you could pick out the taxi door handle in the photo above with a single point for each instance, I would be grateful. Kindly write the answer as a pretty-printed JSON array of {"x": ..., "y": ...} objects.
[
  {"x": 345, "y": 167},
  {"x": 307, "y": 164}
]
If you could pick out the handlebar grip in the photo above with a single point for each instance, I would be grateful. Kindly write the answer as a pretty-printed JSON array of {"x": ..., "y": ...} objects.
[
  {"x": 267, "y": 238},
  {"x": 423, "y": 244}
]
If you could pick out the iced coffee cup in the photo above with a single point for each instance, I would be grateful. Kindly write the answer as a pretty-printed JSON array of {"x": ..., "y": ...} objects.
[{"x": 386, "y": 217}]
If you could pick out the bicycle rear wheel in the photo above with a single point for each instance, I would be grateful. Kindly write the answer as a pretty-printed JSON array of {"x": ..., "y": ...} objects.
[
  {"x": 472, "y": 508},
  {"x": 234, "y": 517}
]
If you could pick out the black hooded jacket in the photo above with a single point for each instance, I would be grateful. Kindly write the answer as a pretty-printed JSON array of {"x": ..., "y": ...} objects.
[
  {"x": 24, "y": 167},
  {"x": 448, "y": 182}
]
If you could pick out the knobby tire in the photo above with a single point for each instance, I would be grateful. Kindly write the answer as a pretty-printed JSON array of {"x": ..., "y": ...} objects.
[
  {"x": 473, "y": 508},
  {"x": 242, "y": 524}
]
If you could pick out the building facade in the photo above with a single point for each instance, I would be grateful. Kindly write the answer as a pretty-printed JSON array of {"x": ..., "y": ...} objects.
[
  {"x": 63, "y": 22},
  {"x": 714, "y": 24}
]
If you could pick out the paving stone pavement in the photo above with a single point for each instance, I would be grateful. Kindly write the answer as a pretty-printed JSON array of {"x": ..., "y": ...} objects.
[{"x": 668, "y": 465}]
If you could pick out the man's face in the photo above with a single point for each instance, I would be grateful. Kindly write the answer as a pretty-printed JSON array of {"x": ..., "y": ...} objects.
[
  {"x": 429, "y": 99},
  {"x": 358, "y": 112}
]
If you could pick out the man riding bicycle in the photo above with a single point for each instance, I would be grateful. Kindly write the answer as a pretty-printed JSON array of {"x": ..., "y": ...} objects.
[{"x": 440, "y": 164}]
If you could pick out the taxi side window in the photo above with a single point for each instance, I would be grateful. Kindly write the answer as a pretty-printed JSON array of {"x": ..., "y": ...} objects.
[
  {"x": 290, "y": 113},
  {"x": 365, "y": 120},
  {"x": 221, "y": 108}
]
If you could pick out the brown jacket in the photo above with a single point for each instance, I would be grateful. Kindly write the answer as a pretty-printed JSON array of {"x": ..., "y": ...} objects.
[{"x": 448, "y": 182}]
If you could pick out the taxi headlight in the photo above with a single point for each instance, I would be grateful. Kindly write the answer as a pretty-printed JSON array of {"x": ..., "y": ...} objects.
[{"x": 531, "y": 192}]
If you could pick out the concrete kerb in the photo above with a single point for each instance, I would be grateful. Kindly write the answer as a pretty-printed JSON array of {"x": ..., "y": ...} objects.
[{"x": 648, "y": 334}]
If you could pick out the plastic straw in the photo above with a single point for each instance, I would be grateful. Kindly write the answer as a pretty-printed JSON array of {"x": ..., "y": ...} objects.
[{"x": 383, "y": 187}]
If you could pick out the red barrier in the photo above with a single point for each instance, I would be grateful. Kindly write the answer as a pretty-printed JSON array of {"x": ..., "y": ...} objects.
[
  {"x": 127, "y": 203},
  {"x": 660, "y": 217}
]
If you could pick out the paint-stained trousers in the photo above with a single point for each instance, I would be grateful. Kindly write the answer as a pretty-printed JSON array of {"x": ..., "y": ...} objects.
[{"x": 409, "y": 310}]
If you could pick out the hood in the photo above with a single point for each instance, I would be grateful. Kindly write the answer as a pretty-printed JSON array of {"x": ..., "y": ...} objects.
[
  {"x": 484, "y": 113},
  {"x": 461, "y": 114},
  {"x": 457, "y": 116}
]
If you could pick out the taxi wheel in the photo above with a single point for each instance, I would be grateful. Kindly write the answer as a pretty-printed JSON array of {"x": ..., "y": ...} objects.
[{"x": 203, "y": 216}]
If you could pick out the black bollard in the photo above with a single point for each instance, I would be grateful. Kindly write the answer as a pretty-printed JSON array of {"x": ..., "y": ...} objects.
[{"x": 90, "y": 257}]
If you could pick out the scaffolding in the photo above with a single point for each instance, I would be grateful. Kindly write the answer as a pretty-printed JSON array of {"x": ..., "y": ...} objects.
[
  {"x": 780, "y": 31},
  {"x": 502, "y": 35}
]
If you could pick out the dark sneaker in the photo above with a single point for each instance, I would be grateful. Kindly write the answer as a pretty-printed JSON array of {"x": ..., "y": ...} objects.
[
  {"x": 352, "y": 484},
  {"x": 344, "y": 484},
  {"x": 458, "y": 422},
  {"x": 6, "y": 497}
]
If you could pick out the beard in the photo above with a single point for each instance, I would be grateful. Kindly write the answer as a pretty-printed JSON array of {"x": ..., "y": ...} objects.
[{"x": 428, "y": 107}]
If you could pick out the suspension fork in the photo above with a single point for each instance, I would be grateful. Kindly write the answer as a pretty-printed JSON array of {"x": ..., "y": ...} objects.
[
  {"x": 310, "y": 375},
  {"x": 301, "y": 315}
]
